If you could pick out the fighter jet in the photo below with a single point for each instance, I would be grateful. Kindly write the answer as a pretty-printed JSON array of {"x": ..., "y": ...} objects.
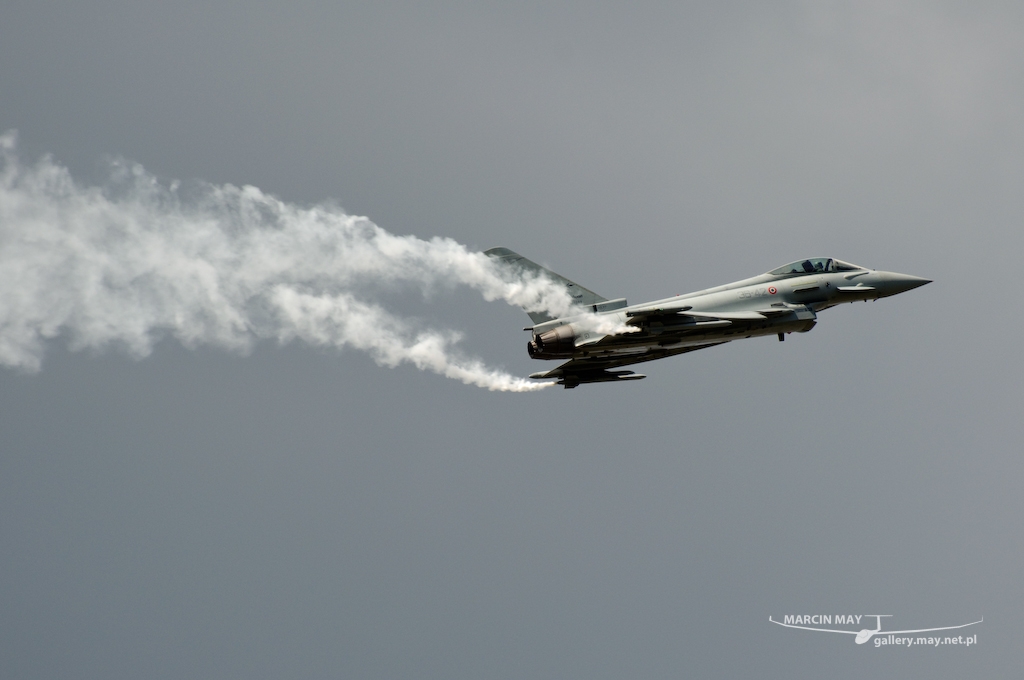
[{"x": 784, "y": 300}]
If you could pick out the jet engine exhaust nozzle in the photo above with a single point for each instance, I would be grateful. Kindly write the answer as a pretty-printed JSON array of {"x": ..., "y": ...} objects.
[{"x": 557, "y": 343}]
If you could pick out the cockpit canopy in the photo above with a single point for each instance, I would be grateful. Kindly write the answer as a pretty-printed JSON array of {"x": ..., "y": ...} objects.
[{"x": 814, "y": 265}]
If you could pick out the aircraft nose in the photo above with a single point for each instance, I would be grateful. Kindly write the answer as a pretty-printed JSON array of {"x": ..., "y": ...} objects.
[{"x": 901, "y": 283}]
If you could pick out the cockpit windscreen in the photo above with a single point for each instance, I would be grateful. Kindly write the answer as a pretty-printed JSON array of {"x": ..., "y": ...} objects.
[{"x": 817, "y": 264}]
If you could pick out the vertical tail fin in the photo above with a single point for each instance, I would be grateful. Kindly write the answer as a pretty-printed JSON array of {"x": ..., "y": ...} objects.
[{"x": 581, "y": 295}]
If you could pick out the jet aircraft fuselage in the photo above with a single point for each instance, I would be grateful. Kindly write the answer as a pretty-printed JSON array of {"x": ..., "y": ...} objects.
[{"x": 784, "y": 300}]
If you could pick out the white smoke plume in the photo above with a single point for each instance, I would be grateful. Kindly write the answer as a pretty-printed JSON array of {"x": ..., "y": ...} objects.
[{"x": 125, "y": 264}]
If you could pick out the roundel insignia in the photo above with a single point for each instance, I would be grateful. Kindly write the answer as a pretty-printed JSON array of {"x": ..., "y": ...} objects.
[{"x": 772, "y": 290}]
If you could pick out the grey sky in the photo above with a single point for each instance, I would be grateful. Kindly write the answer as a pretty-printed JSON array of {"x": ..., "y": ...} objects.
[{"x": 305, "y": 513}]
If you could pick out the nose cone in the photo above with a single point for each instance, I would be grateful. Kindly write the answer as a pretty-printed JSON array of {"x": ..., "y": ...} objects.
[{"x": 892, "y": 283}]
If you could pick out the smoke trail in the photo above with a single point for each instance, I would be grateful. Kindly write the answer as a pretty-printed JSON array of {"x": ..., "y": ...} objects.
[{"x": 123, "y": 264}]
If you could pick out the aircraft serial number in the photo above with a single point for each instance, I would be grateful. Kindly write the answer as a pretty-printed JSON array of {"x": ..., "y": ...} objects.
[{"x": 756, "y": 293}]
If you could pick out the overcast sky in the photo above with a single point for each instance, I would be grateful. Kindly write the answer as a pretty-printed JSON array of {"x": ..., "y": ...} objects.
[{"x": 305, "y": 513}]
